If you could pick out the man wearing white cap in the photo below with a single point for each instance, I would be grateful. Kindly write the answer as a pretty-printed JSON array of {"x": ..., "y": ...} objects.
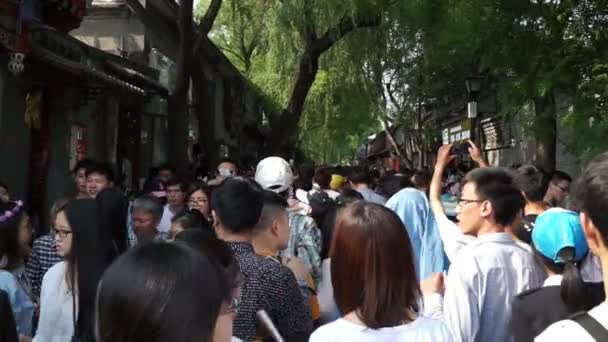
[{"x": 274, "y": 174}]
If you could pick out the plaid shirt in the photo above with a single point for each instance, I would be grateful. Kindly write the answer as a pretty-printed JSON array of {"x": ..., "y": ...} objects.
[{"x": 44, "y": 256}]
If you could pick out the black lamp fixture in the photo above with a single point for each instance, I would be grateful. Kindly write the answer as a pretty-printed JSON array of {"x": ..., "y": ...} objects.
[{"x": 473, "y": 84}]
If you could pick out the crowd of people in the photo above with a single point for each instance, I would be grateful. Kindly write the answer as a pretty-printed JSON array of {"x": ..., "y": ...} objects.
[{"x": 312, "y": 254}]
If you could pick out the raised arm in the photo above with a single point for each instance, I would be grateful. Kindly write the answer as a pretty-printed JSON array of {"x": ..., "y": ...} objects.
[
  {"x": 443, "y": 160},
  {"x": 476, "y": 155}
]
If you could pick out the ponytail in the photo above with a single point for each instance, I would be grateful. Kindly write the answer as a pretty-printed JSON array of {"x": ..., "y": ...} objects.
[{"x": 573, "y": 291}]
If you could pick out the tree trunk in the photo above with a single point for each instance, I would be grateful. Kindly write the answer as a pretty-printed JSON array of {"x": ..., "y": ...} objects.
[
  {"x": 284, "y": 128},
  {"x": 545, "y": 126},
  {"x": 178, "y": 131}
]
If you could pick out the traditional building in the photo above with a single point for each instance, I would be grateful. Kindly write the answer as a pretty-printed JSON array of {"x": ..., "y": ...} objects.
[{"x": 60, "y": 99}]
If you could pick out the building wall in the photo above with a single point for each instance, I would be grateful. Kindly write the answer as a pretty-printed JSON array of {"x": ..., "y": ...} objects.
[
  {"x": 114, "y": 31},
  {"x": 524, "y": 149},
  {"x": 14, "y": 134}
]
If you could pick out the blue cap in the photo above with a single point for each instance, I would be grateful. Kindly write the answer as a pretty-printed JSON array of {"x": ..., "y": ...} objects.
[{"x": 556, "y": 229}]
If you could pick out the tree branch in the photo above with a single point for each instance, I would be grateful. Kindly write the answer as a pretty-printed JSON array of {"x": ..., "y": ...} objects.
[
  {"x": 347, "y": 24},
  {"x": 206, "y": 23},
  {"x": 232, "y": 52}
]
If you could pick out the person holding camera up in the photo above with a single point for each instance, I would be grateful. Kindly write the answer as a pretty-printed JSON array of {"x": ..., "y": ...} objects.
[{"x": 488, "y": 267}]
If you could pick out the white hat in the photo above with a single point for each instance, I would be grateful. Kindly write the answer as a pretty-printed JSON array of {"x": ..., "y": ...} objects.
[{"x": 274, "y": 174}]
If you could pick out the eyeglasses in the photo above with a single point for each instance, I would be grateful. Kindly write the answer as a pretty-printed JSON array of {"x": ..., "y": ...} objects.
[
  {"x": 61, "y": 233},
  {"x": 464, "y": 201}
]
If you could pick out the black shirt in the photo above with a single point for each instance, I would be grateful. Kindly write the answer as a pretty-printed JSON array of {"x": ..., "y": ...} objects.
[
  {"x": 535, "y": 310},
  {"x": 270, "y": 286},
  {"x": 524, "y": 230}
]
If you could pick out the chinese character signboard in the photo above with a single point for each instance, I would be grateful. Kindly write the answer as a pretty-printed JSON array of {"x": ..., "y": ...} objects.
[{"x": 456, "y": 132}]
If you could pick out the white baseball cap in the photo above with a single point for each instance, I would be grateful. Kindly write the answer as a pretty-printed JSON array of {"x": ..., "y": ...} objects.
[{"x": 274, "y": 174}]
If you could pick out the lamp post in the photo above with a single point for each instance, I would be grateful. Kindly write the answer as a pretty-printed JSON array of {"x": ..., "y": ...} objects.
[{"x": 473, "y": 84}]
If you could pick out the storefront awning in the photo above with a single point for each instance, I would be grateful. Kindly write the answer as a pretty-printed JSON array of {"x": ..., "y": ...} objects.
[{"x": 69, "y": 54}]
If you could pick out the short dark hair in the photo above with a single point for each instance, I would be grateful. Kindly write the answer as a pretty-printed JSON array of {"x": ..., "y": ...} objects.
[
  {"x": 166, "y": 167},
  {"x": 158, "y": 284},
  {"x": 323, "y": 177},
  {"x": 173, "y": 181},
  {"x": 200, "y": 186},
  {"x": 558, "y": 176},
  {"x": 390, "y": 185},
  {"x": 189, "y": 219},
  {"x": 101, "y": 168},
  {"x": 83, "y": 164},
  {"x": 274, "y": 200},
  {"x": 532, "y": 181},
  {"x": 372, "y": 266},
  {"x": 348, "y": 196},
  {"x": 359, "y": 175},
  {"x": 496, "y": 185},
  {"x": 591, "y": 193},
  {"x": 238, "y": 204}
]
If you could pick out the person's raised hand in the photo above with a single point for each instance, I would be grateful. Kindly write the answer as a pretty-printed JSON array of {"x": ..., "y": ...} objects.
[
  {"x": 476, "y": 154},
  {"x": 444, "y": 156}
]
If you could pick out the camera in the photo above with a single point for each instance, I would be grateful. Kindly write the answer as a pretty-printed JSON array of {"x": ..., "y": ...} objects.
[{"x": 461, "y": 147}]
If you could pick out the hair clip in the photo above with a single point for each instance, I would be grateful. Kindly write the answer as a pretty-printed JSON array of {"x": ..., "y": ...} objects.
[{"x": 10, "y": 213}]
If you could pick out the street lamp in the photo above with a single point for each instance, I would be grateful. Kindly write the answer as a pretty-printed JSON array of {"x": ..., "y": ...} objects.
[{"x": 473, "y": 84}]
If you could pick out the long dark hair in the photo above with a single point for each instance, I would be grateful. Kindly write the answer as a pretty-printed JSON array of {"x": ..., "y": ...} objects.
[
  {"x": 572, "y": 288},
  {"x": 9, "y": 235},
  {"x": 113, "y": 207},
  {"x": 85, "y": 263},
  {"x": 160, "y": 292}
]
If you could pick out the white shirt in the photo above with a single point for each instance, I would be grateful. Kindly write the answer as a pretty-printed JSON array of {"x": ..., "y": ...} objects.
[
  {"x": 422, "y": 329},
  {"x": 452, "y": 237},
  {"x": 570, "y": 331},
  {"x": 164, "y": 227},
  {"x": 56, "y": 307},
  {"x": 482, "y": 281}
]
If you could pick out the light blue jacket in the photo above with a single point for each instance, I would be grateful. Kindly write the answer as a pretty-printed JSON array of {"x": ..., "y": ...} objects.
[
  {"x": 414, "y": 210},
  {"x": 16, "y": 288}
]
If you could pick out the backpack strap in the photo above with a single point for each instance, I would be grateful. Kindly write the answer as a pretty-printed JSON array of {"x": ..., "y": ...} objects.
[{"x": 591, "y": 325}]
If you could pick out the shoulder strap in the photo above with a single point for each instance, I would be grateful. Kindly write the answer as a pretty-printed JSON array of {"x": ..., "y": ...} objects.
[{"x": 591, "y": 325}]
